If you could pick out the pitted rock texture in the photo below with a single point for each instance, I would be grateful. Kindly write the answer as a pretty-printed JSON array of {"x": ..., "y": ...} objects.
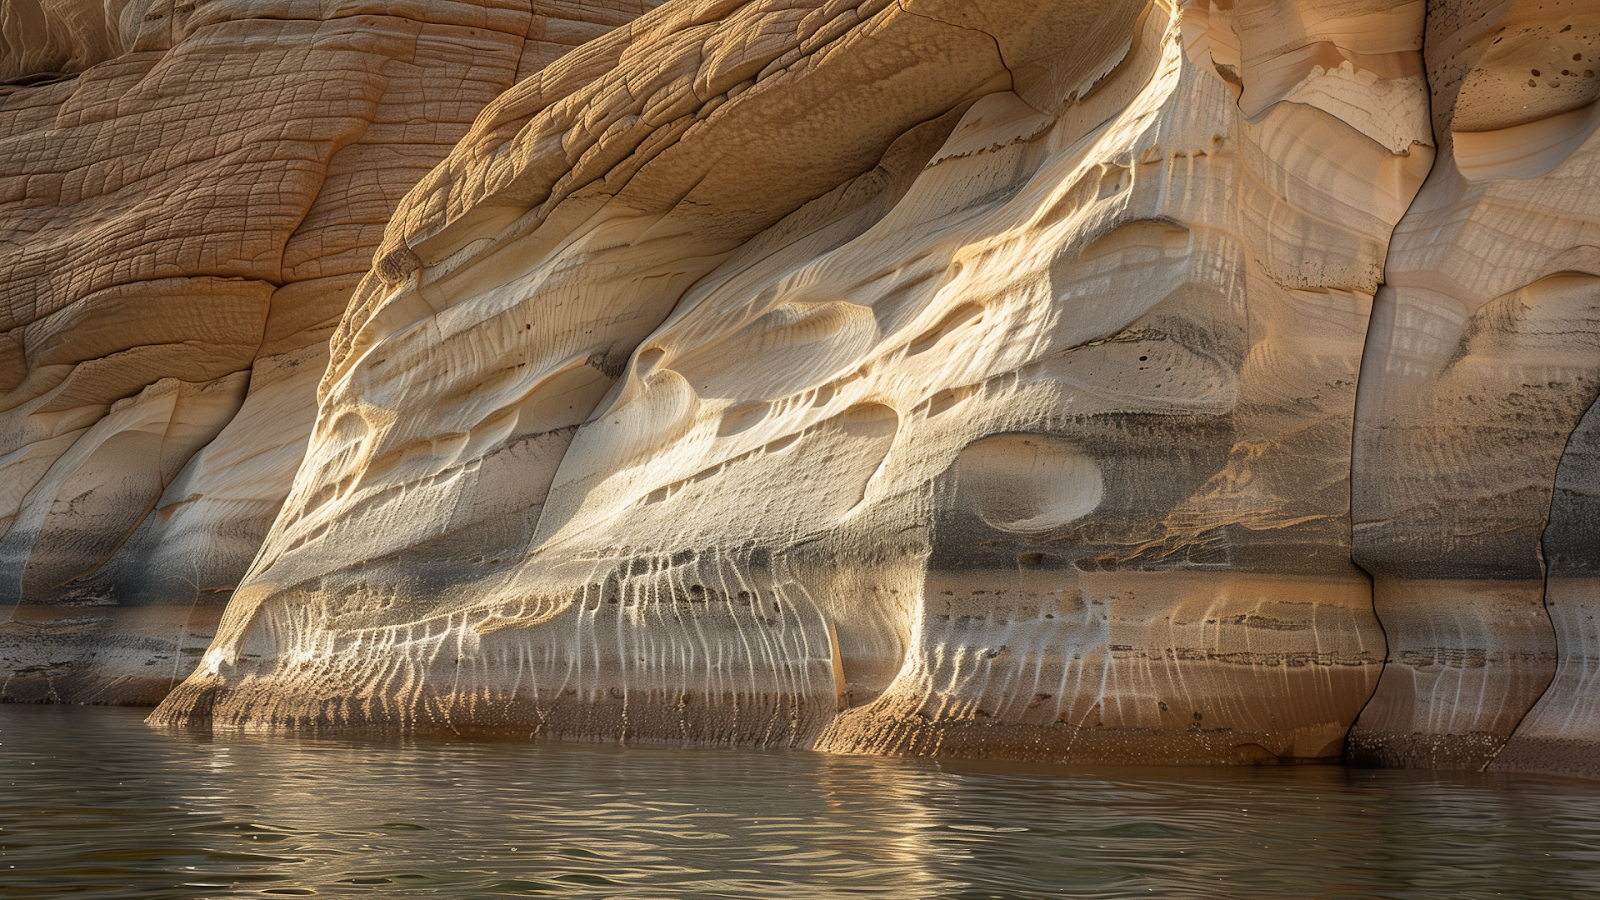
[{"x": 181, "y": 226}]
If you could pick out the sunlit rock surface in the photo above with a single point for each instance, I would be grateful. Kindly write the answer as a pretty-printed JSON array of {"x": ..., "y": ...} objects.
[
  {"x": 181, "y": 227},
  {"x": 1484, "y": 354},
  {"x": 915, "y": 377}
]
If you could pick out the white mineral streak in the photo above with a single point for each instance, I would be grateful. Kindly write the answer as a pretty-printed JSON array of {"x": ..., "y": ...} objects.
[
  {"x": 992, "y": 361},
  {"x": 1483, "y": 355}
]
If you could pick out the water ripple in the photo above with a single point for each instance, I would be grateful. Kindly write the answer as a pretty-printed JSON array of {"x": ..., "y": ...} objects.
[{"x": 96, "y": 805}]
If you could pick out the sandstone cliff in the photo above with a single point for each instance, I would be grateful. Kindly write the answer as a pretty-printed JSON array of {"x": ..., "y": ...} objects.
[
  {"x": 1033, "y": 378},
  {"x": 1483, "y": 355},
  {"x": 895, "y": 382},
  {"x": 181, "y": 227}
]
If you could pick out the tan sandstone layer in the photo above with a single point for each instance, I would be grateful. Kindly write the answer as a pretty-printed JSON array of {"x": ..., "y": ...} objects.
[
  {"x": 181, "y": 227},
  {"x": 46, "y": 40},
  {"x": 870, "y": 376}
]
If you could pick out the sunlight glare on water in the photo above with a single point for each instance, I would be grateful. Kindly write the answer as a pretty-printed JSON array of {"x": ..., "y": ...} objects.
[{"x": 98, "y": 805}]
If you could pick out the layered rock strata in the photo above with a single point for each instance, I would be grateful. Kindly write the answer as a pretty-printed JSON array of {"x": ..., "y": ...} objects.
[
  {"x": 873, "y": 377},
  {"x": 181, "y": 227},
  {"x": 47, "y": 40}
]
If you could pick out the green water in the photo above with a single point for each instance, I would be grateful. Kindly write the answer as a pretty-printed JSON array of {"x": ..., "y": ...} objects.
[{"x": 95, "y": 804}]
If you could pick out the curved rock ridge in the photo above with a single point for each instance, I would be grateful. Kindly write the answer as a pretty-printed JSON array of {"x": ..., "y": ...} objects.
[
  {"x": 916, "y": 377},
  {"x": 181, "y": 227}
]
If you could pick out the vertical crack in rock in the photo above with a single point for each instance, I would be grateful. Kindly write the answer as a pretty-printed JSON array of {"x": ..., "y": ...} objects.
[
  {"x": 1560, "y": 731},
  {"x": 1376, "y": 330},
  {"x": 1556, "y": 635}
]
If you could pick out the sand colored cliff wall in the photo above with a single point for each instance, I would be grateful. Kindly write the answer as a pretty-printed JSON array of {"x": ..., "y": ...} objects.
[
  {"x": 896, "y": 383},
  {"x": 46, "y": 40},
  {"x": 1143, "y": 380},
  {"x": 181, "y": 227}
]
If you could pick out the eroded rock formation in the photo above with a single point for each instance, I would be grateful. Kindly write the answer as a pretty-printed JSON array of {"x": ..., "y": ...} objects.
[
  {"x": 894, "y": 376},
  {"x": 896, "y": 382}
]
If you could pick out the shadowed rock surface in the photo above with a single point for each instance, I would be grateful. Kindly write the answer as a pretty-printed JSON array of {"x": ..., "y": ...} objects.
[
  {"x": 922, "y": 377},
  {"x": 1562, "y": 731}
]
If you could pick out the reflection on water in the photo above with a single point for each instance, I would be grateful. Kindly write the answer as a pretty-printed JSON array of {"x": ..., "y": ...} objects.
[{"x": 94, "y": 804}]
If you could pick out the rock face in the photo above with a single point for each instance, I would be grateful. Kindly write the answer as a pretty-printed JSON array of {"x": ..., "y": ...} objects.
[
  {"x": 181, "y": 227},
  {"x": 1562, "y": 731},
  {"x": 1483, "y": 355},
  {"x": 1024, "y": 378},
  {"x": 894, "y": 382}
]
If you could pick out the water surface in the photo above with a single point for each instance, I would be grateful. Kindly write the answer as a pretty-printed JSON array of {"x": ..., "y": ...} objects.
[{"x": 95, "y": 804}]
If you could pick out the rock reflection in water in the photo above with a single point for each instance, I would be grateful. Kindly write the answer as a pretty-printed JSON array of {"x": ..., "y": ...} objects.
[{"x": 98, "y": 805}]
